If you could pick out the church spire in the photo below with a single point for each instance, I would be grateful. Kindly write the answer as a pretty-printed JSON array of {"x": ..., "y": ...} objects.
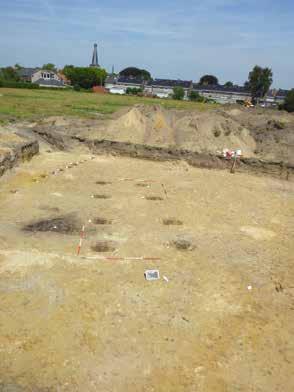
[{"x": 95, "y": 57}]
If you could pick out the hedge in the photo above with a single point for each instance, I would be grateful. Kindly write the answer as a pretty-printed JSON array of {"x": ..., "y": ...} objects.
[
  {"x": 12, "y": 84},
  {"x": 31, "y": 86}
]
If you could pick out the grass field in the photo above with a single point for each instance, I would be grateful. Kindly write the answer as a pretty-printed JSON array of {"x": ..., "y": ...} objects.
[{"x": 22, "y": 104}]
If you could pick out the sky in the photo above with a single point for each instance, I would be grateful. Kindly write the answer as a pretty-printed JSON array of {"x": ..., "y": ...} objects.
[{"x": 178, "y": 39}]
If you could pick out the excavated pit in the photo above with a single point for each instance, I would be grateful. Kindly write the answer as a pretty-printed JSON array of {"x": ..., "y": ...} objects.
[
  {"x": 182, "y": 244},
  {"x": 102, "y": 221},
  {"x": 103, "y": 183},
  {"x": 172, "y": 222},
  {"x": 154, "y": 198},
  {"x": 63, "y": 225},
  {"x": 102, "y": 197},
  {"x": 104, "y": 246}
]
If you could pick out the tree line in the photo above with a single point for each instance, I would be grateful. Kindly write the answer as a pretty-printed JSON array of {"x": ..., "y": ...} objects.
[
  {"x": 259, "y": 80},
  {"x": 80, "y": 77}
]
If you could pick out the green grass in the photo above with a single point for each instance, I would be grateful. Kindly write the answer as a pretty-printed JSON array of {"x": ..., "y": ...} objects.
[{"x": 21, "y": 104}]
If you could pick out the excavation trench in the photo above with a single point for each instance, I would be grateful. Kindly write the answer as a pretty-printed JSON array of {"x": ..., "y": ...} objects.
[
  {"x": 278, "y": 169},
  {"x": 202, "y": 160},
  {"x": 17, "y": 155}
]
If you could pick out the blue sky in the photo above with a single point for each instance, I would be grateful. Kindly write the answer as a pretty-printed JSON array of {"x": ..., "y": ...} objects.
[{"x": 171, "y": 38}]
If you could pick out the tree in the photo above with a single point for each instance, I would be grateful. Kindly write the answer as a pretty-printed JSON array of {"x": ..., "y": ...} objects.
[
  {"x": 195, "y": 96},
  {"x": 49, "y": 67},
  {"x": 134, "y": 91},
  {"x": 85, "y": 77},
  {"x": 179, "y": 93},
  {"x": 289, "y": 102},
  {"x": 259, "y": 82},
  {"x": 9, "y": 74},
  {"x": 229, "y": 84},
  {"x": 133, "y": 72},
  {"x": 208, "y": 80}
]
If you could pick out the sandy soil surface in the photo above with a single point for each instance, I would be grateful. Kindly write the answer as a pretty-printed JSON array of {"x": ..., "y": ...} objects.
[{"x": 222, "y": 321}]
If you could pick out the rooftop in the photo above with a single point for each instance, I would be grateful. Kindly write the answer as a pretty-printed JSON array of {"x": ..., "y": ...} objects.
[
  {"x": 221, "y": 88},
  {"x": 170, "y": 83},
  {"x": 27, "y": 72},
  {"x": 50, "y": 82}
]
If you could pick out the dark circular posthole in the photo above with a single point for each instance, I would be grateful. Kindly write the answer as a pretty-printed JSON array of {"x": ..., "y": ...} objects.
[
  {"x": 102, "y": 221},
  {"x": 103, "y": 183},
  {"x": 104, "y": 246},
  {"x": 182, "y": 244},
  {"x": 172, "y": 222},
  {"x": 154, "y": 198},
  {"x": 101, "y": 197}
]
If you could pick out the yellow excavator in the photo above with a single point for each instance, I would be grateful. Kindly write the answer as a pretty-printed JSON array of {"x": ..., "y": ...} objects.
[{"x": 248, "y": 103}]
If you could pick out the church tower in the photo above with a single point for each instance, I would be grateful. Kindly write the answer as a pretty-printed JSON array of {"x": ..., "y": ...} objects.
[{"x": 95, "y": 58}]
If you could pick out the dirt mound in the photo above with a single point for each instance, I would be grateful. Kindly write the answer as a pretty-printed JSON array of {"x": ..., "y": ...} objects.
[
  {"x": 273, "y": 132},
  {"x": 211, "y": 132},
  {"x": 143, "y": 126},
  {"x": 194, "y": 131},
  {"x": 259, "y": 133}
]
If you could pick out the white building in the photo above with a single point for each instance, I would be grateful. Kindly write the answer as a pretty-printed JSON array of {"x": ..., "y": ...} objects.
[
  {"x": 223, "y": 94},
  {"x": 164, "y": 88},
  {"x": 161, "y": 88},
  {"x": 45, "y": 78}
]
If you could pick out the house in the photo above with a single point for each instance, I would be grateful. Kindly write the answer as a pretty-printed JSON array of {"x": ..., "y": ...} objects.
[
  {"x": 46, "y": 78},
  {"x": 164, "y": 88},
  {"x": 275, "y": 97},
  {"x": 26, "y": 74},
  {"x": 223, "y": 94},
  {"x": 119, "y": 85}
]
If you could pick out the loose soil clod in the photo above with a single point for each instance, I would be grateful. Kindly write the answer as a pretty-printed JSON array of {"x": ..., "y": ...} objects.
[
  {"x": 63, "y": 225},
  {"x": 171, "y": 222},
  {"x": 104, "y": 246}
]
